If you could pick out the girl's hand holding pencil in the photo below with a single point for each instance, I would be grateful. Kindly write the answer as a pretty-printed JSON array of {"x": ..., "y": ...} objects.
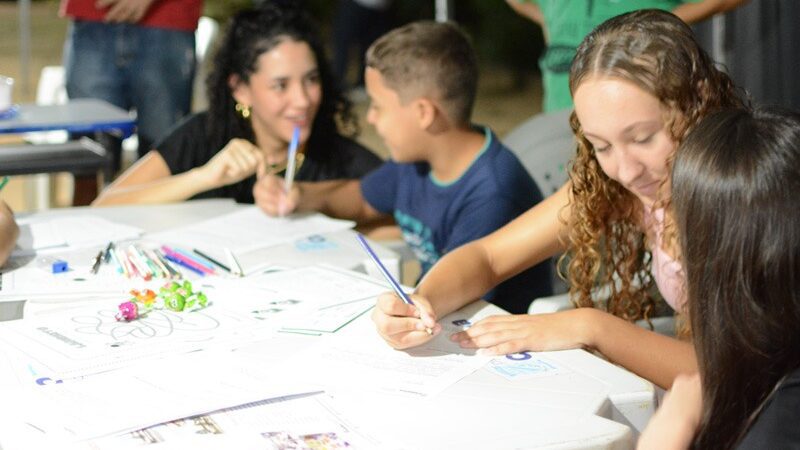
[{"x": 404, "y": 325}]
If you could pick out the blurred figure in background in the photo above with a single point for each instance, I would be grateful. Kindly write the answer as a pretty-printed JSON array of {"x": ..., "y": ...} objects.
[
  {"x": 565, "y": 23},
  {"x": 269, "y": 77},
  {"x": 358, "y": 23},
  {"x": 135, "y": 54}
]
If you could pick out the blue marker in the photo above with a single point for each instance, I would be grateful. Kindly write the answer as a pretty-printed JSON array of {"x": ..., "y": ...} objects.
[{"x": 388, "y": 276}]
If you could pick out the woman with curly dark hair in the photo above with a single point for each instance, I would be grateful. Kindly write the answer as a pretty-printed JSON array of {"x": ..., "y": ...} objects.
[
  {"x": 639, "y": 81},
  {"x": 269, "y": 76}
]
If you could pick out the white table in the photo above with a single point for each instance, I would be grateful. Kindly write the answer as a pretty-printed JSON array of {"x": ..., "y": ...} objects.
[
  {"x": 589, "y": 404},
  {"x": 341, "y": 248}
]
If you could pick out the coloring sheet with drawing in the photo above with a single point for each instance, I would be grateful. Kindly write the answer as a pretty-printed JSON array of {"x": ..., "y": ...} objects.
[{"x": 88, "y": 340}]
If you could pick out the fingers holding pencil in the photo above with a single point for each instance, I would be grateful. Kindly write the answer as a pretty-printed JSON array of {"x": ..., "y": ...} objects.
[
  {"x": 404, "y": 325},
  {"x": 270, "y": 196}
]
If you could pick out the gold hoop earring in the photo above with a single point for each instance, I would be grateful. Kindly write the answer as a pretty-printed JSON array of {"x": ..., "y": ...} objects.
[{"x": 243, "y": 110}]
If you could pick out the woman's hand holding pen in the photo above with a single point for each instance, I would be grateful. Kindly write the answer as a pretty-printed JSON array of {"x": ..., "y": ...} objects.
[
  {"x": 270, "y": 195},
  {"x": 402, "y": 325},
  {"x": 238, "y": 160},
  {"x": 503, "y": 335}
]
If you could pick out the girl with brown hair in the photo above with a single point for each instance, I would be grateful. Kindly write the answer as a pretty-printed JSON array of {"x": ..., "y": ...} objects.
[
  {"x": 640, "y": 82},
  {"x": 735, "y": 203}
]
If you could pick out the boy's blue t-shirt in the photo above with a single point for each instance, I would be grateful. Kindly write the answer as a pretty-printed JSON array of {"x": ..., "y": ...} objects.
[{"x": 438, "y": 217}]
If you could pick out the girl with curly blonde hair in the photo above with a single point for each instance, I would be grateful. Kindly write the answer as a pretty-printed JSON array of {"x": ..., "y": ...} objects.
[{"x": 639, "y": 82}]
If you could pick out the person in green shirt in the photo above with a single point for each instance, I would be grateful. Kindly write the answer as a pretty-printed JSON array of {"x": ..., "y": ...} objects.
[{"x": 566, "y": 22}]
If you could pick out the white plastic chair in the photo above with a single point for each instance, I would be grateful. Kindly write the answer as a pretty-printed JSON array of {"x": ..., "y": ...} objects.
[
  {"x": 204, "y": 36},
  {"x": 544, "y": 144},
  {"x": 207, "y": 30},
  {"x": 52, "y": 89}
]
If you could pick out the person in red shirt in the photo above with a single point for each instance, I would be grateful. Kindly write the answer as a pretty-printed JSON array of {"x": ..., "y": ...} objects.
[{"x": 135, "y": 54}]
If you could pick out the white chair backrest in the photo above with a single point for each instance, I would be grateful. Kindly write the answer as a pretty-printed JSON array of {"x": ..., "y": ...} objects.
[
  {"x": 207, "y": 30},
  {"x": 52, "y": 87},
  {"x": 51, "y": 90},
  {"x": 204, "y": 36},
  {"x": 544, "y": 144}
]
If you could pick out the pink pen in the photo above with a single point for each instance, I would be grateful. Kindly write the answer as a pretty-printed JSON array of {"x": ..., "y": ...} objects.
[{"x": 188, "y": 261}]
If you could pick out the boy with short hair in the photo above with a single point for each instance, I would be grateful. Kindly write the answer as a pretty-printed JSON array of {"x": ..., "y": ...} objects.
[{"x": 448, "y": 183}]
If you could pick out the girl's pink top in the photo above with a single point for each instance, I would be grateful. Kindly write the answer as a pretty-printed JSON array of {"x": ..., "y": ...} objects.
[{"x": 667, "y": 272}]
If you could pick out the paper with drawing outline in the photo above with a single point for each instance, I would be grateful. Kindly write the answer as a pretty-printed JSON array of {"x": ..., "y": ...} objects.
[{"x": 89, "y": 340}]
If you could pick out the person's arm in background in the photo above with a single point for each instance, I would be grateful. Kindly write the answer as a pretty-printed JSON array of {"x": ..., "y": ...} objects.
[
  {"x": 151, "y": 181},
  {"x": 698, "y": 11},
  {"x": 336, "y": 198},
  {"x": 124, "y": 11},
  {"x": 527, "y": 9},
  {"x": 530, "y": 10},
  {"x": 9, "y": 232}
]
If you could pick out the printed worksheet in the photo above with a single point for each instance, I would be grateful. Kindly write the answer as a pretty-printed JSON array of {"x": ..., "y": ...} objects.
[
  {"x": 305, "y": 421},
  {"x": 69, "y": 232},
  {"x": 147, "y": 394},
  {"x": 87, "y": 340},
  {"x": 358, "y": 358},
  {"x": 254, "y": 229},
  {"x": 315, "y": 299}
]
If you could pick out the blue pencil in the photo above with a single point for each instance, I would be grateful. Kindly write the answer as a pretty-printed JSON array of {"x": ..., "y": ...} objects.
[
  {"x": 395, "y": 285},
  {"x": 388, "y": 276},
  {"x": 177, "y": 261}
]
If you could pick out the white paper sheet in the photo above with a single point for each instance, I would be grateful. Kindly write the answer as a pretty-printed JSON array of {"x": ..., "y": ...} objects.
[
  {"x": 87, "y": 340},
  {"x": 316, "y": 299},
  {"x": 359, "y": 359},
  {"x": 141, "y": 396},
  {"x": 69, "y": 232},
  {"x": 303, "y": 421},
  {"x": 253, "y": 229}
]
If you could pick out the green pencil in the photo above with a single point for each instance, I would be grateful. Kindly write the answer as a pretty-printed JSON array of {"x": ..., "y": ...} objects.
[{"x": 3, "y": 182}]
